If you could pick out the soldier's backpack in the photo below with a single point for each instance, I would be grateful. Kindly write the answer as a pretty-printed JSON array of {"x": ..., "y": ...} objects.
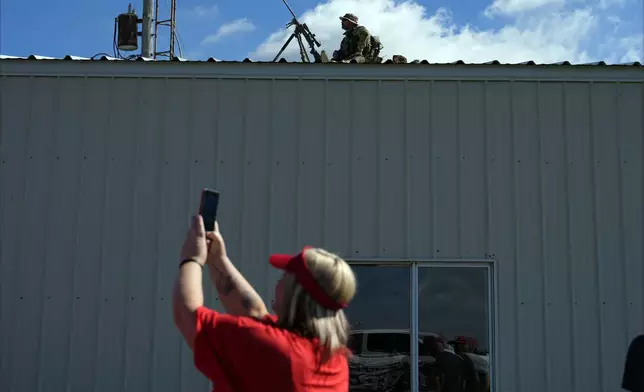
[{"x": 376, "y": 47}]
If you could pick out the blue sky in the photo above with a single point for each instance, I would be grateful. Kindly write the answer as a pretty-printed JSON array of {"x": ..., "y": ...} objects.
[{"x": 438, "y": 30}]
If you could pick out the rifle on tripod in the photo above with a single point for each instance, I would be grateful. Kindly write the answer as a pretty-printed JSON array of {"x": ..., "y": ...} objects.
[{"x": 301, "y": 34}]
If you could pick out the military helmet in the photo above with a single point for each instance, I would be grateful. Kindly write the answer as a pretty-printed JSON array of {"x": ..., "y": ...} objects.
[
  {"x": 350, "y": 17},
  {"x": 399, "y": 59}
]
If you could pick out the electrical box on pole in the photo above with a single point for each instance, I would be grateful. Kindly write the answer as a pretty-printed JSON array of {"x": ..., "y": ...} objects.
[{"x": 126, "y": 32}]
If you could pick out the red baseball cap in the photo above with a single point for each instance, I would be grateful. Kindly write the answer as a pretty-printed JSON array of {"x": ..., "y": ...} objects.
[{"x": 296, "y": 265}]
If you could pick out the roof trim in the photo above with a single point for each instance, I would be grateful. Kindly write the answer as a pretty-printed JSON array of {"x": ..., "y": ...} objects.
[{"x": 249, "y": 70}]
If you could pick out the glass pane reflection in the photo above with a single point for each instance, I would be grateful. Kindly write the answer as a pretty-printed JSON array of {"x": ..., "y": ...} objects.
[
  {"x": 380, "y": 318},
  {"x": 453, "y": 329}
]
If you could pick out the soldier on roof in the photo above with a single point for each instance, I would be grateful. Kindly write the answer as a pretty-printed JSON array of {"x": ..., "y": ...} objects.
[{"x": 356, "y": 44}]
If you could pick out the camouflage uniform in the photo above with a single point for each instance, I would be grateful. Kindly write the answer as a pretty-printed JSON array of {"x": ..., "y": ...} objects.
[{"x": 356, "y": 44}]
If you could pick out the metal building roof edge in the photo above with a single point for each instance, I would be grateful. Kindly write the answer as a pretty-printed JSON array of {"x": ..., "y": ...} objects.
[
  {"x": 99, "y": 57},
  {"x": 104, "y": 57},
  {"x": 421, "y": 70}
]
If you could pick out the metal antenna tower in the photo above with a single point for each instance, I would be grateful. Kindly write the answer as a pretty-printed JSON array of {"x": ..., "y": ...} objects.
[{"x": 171, "y": 23}]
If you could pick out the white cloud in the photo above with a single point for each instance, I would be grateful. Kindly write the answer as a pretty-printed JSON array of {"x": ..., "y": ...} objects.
[
  {"x": 410, "y": 29},
  {"x": 204, "y": 11},
  {"x": 513, "y": 7},
  {"x": 606, "y": 4},
  {"x": 238, "y": 26},
  {"x": 198, "y": 12},
  {"x": 633, "y": 48}
]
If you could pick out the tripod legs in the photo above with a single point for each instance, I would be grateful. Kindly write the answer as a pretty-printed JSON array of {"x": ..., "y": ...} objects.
[
  {"x": 288, "y": 41},
  {"x": 303, "y": 53}
]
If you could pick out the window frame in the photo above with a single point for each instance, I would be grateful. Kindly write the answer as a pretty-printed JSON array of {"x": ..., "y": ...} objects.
[{"x": 414, "y": 264}]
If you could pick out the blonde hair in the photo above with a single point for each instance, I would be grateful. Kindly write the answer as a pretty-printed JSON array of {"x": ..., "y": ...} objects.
[{"x": 302, "y": 315}]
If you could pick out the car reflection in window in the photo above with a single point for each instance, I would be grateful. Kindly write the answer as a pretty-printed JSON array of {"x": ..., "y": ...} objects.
[{"x": 381, "y": 361}]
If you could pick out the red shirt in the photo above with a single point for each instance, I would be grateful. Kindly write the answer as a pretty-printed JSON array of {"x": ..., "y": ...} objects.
[{"x": 242, "y": 354}]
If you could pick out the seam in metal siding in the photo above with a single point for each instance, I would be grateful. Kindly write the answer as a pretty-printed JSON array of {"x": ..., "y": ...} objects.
[{"x": 100, "y": 175}]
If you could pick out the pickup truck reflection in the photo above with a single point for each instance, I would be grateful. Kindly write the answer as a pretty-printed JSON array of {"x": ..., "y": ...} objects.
[{"x": 381, "y": 362}]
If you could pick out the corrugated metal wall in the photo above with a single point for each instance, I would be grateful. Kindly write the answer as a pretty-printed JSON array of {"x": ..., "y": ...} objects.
[{"x": 99, "y": 176}]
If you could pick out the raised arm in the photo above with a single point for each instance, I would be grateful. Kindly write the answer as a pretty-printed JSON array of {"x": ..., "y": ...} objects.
[
  {"x": 237, "y": 295},
  {"x": 187, "y": 296}
]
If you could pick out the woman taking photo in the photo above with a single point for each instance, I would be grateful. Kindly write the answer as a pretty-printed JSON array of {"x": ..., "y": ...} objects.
[{"x": 301, "y": 348}]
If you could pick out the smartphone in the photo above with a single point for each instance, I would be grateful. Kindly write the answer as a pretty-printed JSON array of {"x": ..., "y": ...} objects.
[{"x": 208, "y": 208}]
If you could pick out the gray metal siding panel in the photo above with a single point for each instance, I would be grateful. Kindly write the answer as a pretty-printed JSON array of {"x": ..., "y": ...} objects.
[
  {"x": 502, "y": 233},
  {"x": 99, "y": 176},
  {"x": 631, "y": 148}
]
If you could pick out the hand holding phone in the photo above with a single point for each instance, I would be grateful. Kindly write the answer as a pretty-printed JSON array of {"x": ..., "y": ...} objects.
[{"x": 208, "y": 208}]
